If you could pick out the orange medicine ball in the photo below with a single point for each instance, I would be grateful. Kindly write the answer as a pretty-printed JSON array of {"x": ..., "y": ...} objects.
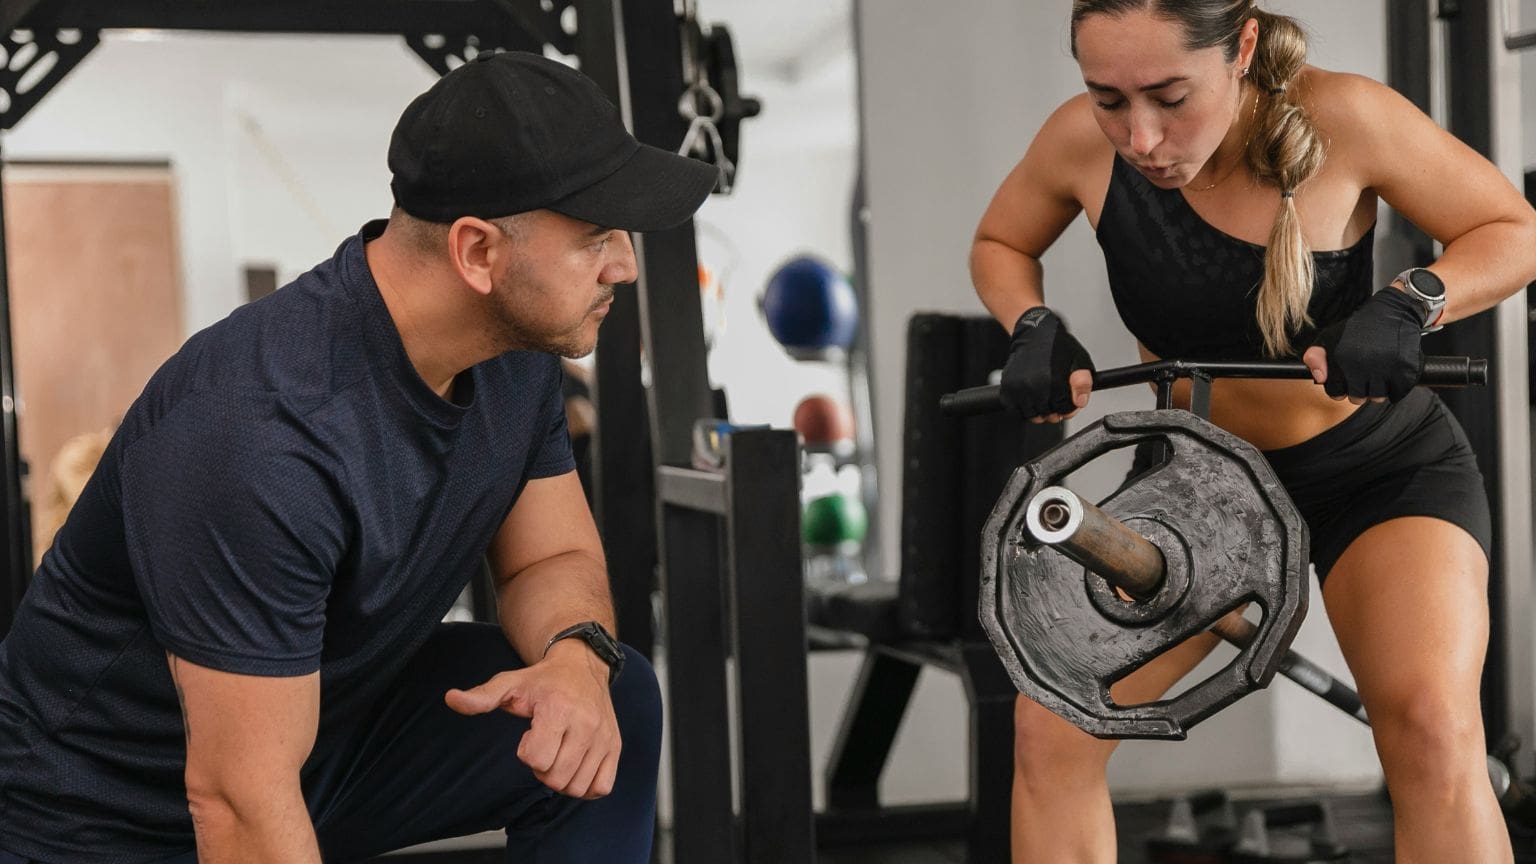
[{"x": 823, "y": 421}]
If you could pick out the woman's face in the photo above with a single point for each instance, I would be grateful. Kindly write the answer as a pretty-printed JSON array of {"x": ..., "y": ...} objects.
[{"x": 1164, "y": 107}]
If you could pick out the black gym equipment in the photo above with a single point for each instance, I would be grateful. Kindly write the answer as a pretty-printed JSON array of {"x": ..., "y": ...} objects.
[
  {"x": 1205, "y": 532},
  {"x": 1223, "y": 534},
  {"x": 1203, "y": 829},
  {"x": 712, "y": 101},
  {"x": 952, "y": 473},
  {"x": 1200, "y": 829},
  {"x": 1053, "y": 563},
  {"x": 1463, "y": 28}
]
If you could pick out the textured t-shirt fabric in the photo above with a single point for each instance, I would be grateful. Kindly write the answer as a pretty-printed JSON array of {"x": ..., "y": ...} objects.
[
  {"x": 1189, "y": 291},
  {"x": 286, "y": 496}
]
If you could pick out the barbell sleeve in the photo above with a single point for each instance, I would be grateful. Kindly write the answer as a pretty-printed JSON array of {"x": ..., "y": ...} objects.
[{"x": 1061, "y": 518}]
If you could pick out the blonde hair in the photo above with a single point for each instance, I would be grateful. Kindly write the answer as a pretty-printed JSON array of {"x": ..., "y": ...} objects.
[
  {"x": 67, "y": 475},
  {"x": 1286, "y": 151},
  {"x": 1285, "y": 148}
]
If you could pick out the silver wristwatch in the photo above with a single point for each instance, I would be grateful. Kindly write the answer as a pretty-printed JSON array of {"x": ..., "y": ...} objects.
[{"x": 1427, "y": 288}]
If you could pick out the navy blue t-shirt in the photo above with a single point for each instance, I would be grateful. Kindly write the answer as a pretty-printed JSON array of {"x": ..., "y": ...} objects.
[{"x": 287, "y": 495}]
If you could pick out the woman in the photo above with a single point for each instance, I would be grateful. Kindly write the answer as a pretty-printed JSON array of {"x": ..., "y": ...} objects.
[{"x": 1234, "y": 191}]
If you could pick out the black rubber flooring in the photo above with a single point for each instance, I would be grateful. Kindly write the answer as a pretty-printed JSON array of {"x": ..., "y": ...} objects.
[{"x": 1363, "y": 824}]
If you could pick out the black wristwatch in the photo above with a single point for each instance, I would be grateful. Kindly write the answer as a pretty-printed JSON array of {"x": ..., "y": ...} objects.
[
  {"x": 1427, "y": 288},
  {"x": 602, "y": 643}
]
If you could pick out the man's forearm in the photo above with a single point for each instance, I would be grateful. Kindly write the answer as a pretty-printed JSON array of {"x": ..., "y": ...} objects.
[
  {"x": 549, "y": 596},
  {"x": 272, "y": 828}
]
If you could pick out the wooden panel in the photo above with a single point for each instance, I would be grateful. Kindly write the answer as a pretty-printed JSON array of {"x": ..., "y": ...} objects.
[{"x": 96, "y": 308}]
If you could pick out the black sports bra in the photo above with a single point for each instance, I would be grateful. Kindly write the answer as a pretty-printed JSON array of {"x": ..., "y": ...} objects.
[{"x": 1189, "y": 291}]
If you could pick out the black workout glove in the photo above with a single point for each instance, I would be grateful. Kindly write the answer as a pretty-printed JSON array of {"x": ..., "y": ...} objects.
[
  {"x": 1375, "y": 351},
  {"x": 1040, "y": 359}
]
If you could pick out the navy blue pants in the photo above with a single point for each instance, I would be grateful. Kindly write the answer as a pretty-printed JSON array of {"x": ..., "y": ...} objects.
[{"x": 417, "y": 771}]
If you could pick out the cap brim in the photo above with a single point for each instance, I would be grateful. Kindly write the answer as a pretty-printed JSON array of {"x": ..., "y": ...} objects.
[{"x": 654, "y": 190}]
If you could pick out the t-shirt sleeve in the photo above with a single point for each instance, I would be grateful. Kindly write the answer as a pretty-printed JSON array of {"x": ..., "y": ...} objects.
[
  {"x": 553, "y": 455},
  {"x": 235, "y": 526}
]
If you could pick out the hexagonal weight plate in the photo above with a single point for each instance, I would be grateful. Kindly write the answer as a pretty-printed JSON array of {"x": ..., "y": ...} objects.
[{"x": 1230, "y": 535}]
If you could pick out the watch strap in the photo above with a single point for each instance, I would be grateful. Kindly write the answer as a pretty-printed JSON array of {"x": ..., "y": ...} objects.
[{"x": 599, "y": 640}]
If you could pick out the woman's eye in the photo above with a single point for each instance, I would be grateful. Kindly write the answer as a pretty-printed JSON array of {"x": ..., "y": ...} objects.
[
  {"x": 1174, "y": 104},
  {"x": 1110, "y": 106}
]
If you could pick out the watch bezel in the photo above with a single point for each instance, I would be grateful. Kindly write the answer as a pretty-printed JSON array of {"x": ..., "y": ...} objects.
[
  {"x": 1433, "y": 304},
  {"x": 1411, "y": 278}
]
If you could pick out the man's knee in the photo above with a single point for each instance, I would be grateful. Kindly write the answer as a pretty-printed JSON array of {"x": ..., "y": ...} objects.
[{"x": 637, "y": 703}]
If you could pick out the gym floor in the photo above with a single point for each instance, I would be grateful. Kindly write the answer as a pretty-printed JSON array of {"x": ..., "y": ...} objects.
[{"x": 1363, "y": 823}]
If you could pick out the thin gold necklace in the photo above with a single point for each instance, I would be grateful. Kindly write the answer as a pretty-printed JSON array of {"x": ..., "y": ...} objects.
[{"x": 1241, "y": 154}]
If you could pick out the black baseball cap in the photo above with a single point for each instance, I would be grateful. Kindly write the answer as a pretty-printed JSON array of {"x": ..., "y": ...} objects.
[{"x": 514, "y": 131}]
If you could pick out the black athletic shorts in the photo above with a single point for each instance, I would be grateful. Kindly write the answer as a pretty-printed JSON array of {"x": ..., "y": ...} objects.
[{"x": 1386, "y": 460}]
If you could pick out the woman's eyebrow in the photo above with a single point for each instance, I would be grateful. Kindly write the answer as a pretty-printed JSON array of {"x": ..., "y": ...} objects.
[{"x": 1093, "y": 85}]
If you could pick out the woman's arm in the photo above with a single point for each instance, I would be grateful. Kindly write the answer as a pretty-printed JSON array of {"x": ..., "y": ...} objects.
[
  {"x": 1444, "y": 187},
  {"x": 1037, "y": 201}
]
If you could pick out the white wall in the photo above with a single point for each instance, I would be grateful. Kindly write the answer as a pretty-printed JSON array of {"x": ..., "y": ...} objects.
[
  {"x": 325, "y": 106},
  {"x": 791, "y": 197},
  {"x": 1527, "y": 21},
  {"x": 950, "y": 102}
]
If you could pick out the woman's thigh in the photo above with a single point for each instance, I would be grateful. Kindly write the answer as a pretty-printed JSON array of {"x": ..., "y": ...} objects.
[{"x": 1409, "y": 602}]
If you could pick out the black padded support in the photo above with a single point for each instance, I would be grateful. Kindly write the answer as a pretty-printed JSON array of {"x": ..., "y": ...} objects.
[
  {"x": 930, "y": 480},
  {"x": 992, "y": 447},
  {"x": 868, "y": 609}
]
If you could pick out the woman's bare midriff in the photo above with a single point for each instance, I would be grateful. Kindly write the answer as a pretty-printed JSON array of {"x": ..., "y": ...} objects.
[{"x": 1268, "y": 414}]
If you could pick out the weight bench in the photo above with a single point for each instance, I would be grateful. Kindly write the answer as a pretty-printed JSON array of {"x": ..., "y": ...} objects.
[{"x": 953, "y": 471}]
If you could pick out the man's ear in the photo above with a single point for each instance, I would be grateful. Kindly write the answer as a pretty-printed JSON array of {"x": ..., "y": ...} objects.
[{"x": 472, "y": 250}]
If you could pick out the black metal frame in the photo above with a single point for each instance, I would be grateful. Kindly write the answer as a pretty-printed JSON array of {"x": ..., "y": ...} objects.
[
  {"x": 17, "y": 513},
  {"x": 1468, "y": 26},
  {"x": 732, "y": 588},
  {"x": 862, "y": 747}
]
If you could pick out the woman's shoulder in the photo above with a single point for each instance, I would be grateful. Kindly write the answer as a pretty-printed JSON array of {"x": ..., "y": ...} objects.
[
  {"x": 1357, "y": 118},
  {"x": 1072, "y": 141},
  {"x": 1346, "y": 107},
  {"x": 1073, "y": 130}
]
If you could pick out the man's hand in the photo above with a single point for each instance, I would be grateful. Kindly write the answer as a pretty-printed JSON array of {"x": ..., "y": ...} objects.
[{"x": 573, "y": 742}]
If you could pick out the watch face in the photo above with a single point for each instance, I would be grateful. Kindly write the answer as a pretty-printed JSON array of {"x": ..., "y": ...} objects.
[{"x": 1427, "y": 284}]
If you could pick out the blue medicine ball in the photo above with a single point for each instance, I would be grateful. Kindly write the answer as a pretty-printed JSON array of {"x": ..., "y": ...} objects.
[{"x": 809, "y": 305}]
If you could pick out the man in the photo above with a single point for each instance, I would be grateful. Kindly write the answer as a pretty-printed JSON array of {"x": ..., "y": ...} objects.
[{"x": 232, "y": 652}]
